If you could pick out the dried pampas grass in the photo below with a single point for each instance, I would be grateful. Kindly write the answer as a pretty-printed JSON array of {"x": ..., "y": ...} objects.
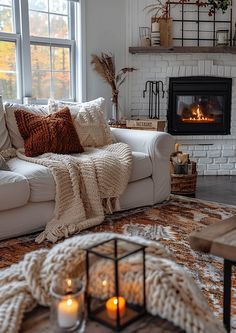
[{"x": 104, "y": 65}]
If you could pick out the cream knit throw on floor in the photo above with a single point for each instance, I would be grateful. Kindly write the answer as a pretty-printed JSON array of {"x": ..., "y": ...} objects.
[
  {"x": 170, "y": 291},
  {"x": 86, "y": 185}
]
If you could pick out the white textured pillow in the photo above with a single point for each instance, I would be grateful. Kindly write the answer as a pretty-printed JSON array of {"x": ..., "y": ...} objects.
[
  {"x": 5, "y": 141},
  {"x": 54, "y": 106},
  {"x": 91, "y": 127},
  {"x": 89, "y": 121},
  {"x": 14, "y": 133}
]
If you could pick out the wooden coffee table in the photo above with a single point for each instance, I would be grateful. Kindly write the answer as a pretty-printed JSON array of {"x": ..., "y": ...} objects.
[
  {"x": 219, "y": 239},
  {"x": 38, "y": 321}
]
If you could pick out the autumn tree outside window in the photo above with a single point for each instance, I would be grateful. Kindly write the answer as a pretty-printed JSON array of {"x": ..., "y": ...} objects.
[{"x": 37, "y": 49}]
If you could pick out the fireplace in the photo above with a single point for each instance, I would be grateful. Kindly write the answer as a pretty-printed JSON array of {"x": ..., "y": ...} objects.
[{"x": 199, "y": 105}]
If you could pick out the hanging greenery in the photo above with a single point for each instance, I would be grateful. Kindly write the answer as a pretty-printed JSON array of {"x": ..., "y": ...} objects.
[
  {"x": 161, "y": 8},
  {"x": 215, "y": 5}
]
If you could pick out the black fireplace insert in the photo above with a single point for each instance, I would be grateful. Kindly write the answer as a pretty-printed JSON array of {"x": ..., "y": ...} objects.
[{"x": 199, "y": 105}]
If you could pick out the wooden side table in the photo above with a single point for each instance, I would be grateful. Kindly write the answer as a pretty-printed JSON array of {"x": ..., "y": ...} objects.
[{"x": 219, "y": 239}]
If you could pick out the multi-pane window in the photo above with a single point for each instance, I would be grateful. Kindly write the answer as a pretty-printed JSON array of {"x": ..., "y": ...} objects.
[
  {"x": 50, "y": 71},
  {"x": 6, "y": 17},
  {"x": 8, "y": 85},
  {"x": 37, "y": 55},
  {"x": 49, "y": 18},
  {"x": 8, "y": 75}
]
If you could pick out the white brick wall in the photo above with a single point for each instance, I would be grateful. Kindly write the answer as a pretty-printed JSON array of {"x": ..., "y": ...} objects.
[
  {"x": 212, "y": 151},
  {"x": 215, "y": 154},
  {"x": 213, "y": 159}
]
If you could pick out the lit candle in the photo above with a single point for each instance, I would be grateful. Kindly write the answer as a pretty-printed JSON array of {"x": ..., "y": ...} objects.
[
  {"x": 67, "y": 312},
  {"x": 111, "y": 307},
  {"x": 104, "y": 283}
]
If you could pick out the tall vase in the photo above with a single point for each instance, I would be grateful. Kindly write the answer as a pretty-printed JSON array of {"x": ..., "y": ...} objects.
[
  {"x": 115, "y": 113},
  {"x": 166, "y": 31}
]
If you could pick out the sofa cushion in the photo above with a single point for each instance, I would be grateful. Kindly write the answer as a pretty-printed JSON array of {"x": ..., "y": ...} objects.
[
  {"x": 25, "y": 219},
  {"x": 14, "y": 133},
  {"x": 14, "y": 190},
  {"x": 54, "y": 133},
  {"x": 40, "y": 179},
  {"x": 141, "y": 167},
  {"x": 89, "y": 121},
  {"x": 4, "y": 135}
]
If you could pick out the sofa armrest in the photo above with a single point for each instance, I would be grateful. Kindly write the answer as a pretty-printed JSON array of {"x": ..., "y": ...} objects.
[
  {"x": 159, "y": 146},
  {"x": 148, "y": 142}
]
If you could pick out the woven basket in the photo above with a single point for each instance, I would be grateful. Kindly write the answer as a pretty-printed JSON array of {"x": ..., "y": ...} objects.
[{"x": 183, "y": 184}]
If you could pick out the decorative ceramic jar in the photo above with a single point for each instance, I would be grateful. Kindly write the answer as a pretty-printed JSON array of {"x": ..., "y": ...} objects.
[{"x": 222, "y": 37}]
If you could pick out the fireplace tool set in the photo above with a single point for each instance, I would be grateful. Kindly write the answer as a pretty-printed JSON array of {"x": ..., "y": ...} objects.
[{"x": 154, "y": 88}]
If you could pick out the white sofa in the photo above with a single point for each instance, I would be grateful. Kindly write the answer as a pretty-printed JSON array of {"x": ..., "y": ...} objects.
[{"x": 27, "y": 191}]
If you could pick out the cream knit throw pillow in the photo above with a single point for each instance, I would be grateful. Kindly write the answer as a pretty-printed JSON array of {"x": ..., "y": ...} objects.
[
  {"x": 89, "y": 121},
  {"x": 91, "y": 127}
]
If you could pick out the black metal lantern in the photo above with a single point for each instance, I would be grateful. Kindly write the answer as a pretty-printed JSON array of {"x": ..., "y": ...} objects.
[{"x": 116, "y": 283}]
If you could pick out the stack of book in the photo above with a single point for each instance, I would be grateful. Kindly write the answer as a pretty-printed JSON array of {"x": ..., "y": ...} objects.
[{"x": 146, "y": 124}]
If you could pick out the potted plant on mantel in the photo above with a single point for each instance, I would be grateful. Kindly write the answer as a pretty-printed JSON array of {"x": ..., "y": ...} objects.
[{"x": 162, "y": 15}]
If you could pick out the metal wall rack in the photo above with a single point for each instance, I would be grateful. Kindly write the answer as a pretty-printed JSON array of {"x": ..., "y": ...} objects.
[{"x": 201, "y": 17}]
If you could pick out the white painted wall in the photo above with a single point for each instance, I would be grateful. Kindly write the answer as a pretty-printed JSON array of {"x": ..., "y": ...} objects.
[{"x": 105, "y": 32}]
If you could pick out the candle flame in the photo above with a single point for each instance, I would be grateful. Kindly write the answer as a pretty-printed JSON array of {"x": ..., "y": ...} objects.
[
  {"x": 116, "y": 301},
  {"x": 69, "y": 282},
  {"x": 104, "y": 283},
  {"x": 69, "y": 302}
]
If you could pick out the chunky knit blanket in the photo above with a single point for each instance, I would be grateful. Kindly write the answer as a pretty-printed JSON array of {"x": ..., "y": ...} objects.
[
  {"x": 170, "y": 291},
  {"x": 86, "y": 185}
]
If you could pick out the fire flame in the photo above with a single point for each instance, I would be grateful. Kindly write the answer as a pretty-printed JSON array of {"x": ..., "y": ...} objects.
[{"x": 197, "y": 116}]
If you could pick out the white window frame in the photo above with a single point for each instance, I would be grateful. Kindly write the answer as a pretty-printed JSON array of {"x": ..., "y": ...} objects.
[
  {"x": 15, "y": 36},
  {"x": 23, "y": 40}
]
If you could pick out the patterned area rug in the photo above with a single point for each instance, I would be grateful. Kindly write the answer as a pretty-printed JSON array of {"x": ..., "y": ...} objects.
[{"x": 169, "y": 223}]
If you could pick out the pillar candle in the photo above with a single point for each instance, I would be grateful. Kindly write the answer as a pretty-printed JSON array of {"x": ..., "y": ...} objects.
[
  {"x": 111, "y": 307},
  {"x": 67, "y": 312}
]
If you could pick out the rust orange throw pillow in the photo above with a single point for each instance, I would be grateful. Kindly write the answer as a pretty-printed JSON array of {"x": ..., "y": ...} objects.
[{"x": 54, "y": 133}]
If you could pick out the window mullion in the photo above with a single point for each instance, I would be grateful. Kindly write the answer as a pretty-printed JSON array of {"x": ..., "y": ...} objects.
[
  {"x": 51, "y": 83},
  {"x": 25, "y": 49},
  {"x": 80, "y": 31},
  {"x": 51, "y": 41},
  {"x": 73, "y": 60},
  {"x": 17, "y": 36},
  {"x": 8, "y": 36}
]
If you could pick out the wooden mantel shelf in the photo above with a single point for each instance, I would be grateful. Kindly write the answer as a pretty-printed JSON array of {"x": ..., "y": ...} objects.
[{"x": 183, "y": 49}]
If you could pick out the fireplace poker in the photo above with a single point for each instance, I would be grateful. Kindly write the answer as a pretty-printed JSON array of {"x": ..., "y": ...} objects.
[{"x": 154, "y": 87}]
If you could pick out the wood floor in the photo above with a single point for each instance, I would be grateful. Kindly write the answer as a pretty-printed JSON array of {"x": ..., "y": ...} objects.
[{"x": 217, "y": 188}]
